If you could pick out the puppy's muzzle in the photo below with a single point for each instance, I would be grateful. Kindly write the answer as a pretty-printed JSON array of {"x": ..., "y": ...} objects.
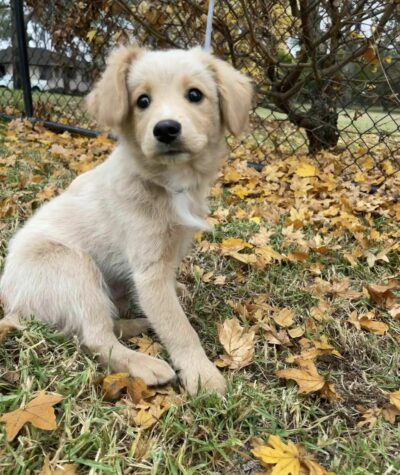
[{"x": 167, "y": 131}]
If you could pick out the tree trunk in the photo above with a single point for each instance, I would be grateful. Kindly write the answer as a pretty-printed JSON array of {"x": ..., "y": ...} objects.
[{"x": 324, "y": 133}]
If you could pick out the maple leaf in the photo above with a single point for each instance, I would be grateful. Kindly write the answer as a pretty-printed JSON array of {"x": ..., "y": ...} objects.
[
  {"x": 307, "y": 377},
  {"x": 238, "y": 344},
  {"x": 113, "y": 384},
  {"x": 395, "y": 399},
  {"x": 68, "y": 469},
  {"x": 261, "y": 238},
  {"x": 284, "y": 317},
  {"x": 306, "y": 170},
  {"x": 6, "y": 326},
  {"x": 390, "y": 412},
  {"x": 382, "y": 295},
  {"x": 287, "y": 459},
  {"x": 145, "y": 413},
  {"x": 146, "y": 345},
  {"x": 366, "y": 322},
  {"x": 395, "y": 311},
  {"x": 39, "y": 412},
  {"x": 369, "y": 417}
]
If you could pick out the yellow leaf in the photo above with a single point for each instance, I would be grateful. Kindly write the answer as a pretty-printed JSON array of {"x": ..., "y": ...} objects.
[
  {"x": 146, "y": 345},
  {"x": 68, "y": 469},
  {"x": 39, "y": 412},
  {"x": 287, "y": 459},
  {"x": 233, "y": 244},
  {"x": 395, "y": 399},
  {"x": 284, "y": 318},
  {"x": 308, "y": 378},
  {"x": 113, "y": 384},
  {"x": 90, "y": 35},
  {"x": 370, "y": 55},
  {"x": 238, "y": 344},
  {"x": 306, "y": 170},
  {"x": 296, "y": 332}
]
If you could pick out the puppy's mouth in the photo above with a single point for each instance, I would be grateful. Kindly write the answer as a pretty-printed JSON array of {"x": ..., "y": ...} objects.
[{"x": 172, "y": 151}]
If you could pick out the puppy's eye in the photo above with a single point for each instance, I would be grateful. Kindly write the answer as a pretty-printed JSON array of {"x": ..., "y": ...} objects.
[
  {"x": 143, "y": 101},
  {"x": 194, "y": 95}
]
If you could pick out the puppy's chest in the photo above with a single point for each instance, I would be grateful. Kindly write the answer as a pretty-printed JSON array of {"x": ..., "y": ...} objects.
[{"x": 189, "y": 209}]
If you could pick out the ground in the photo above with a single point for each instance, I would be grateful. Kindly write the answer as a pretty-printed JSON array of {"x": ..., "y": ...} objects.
[{"x": 291, "y": 254}]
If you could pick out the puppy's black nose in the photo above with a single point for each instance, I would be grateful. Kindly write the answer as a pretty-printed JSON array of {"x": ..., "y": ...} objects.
[{"x": 166, "y": 131}]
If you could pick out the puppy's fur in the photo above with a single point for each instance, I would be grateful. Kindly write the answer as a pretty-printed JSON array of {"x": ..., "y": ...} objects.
[{"x": 126, "y": 224}]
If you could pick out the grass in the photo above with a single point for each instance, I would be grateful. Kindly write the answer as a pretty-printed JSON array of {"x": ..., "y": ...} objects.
[
  {"x": 372, "y": 120},
  {"x": 207, "y": 434}
]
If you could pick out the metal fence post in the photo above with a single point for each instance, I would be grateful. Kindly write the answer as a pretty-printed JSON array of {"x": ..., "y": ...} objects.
[{"x": 23, "y": 56}]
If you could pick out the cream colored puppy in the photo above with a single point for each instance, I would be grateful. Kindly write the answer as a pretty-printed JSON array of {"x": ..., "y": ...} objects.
[{"x": 122, "y": 228}]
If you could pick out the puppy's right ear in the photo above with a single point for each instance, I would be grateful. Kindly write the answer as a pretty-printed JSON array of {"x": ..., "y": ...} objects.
[{"x": 108, "y": 103}]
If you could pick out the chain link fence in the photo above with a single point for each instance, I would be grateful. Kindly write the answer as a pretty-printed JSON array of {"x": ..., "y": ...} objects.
[{"x": 327, "y": 71}]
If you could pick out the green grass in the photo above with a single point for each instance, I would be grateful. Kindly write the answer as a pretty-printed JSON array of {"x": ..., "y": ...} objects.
[
  {"x": 207, "y": 435},
  {"x": 372, "y": 120}
]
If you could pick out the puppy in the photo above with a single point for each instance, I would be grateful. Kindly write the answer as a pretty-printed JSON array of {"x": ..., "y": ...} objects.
[{"x": 121, "y": 229}]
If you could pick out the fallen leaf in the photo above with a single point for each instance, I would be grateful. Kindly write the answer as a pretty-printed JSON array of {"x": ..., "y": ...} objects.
[
  {"x": 306, "y": 170},
  {"x": 284, "y": 317},
  {"x": 238, "y": 344},
  {"x": 369, "y": 417},
  {"x": 68, "y": 469},
  {"x": 146, "y": 345},
  {"x": 296, "y": 332},
  {"x": 395, "y": 399},
  {"x": 6, "y": 326},
  {"x": 307, "y": 377},
  {"x": 287, "y": 459},
  {"x": 395, "y": 312},
  {"x": 366, "y": 322},
  {"x": 390, "y": 412},
  {"x": 261, "y": 238},
  {"x": 146, "y": 413},
  {"x": 39, "y": 412},
  {"x": 113, "y": 384},
  {"x": 382, "y": 295}
]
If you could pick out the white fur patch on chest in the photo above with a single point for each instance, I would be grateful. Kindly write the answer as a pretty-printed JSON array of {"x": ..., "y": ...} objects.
[{"x": 187, "y": 210}]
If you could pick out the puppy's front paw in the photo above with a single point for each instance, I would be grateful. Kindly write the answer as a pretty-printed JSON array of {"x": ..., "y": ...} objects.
[
  {"x": 153, "y": 371},
  {"x": 202, "y": 375}
]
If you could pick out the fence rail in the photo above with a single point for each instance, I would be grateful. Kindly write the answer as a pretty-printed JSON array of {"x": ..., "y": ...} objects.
[{"x": 327, "y": 71}]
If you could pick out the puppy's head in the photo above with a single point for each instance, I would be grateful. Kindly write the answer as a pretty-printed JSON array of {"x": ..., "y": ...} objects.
[{"x": 173, "y": 104}]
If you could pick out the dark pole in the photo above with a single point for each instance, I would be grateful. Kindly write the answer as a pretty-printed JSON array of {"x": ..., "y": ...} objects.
[{"x": 23, "y": 56}]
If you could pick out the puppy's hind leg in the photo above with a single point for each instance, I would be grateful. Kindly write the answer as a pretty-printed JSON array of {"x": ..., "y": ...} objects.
[{"x": 64, "y": 287}]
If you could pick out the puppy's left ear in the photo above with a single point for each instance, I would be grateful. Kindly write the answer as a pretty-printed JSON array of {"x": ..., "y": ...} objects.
[
  {"x": 109, "y": 100},
  {"x": 236, "y": 93}
]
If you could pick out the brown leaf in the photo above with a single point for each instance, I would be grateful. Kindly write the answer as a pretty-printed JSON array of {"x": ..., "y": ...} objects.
[
  {"x": 395, "y": 312},
  {"x": 369, "y": 416},
  {"x": 6, "y": 326},
  {"x": 238, "y": 344},
  {"x": 367, "y": 323},
  {"x": 39, "y": 412},
  {"x": 46, "y": 193},
  {"x": 395, "y": 399},
  {"x": 261, "y": 238},
  {"x": 146, "y": 345},
  {"x": 296, "y": 332},
  {"x": 390, "y": 412},
  {"x": 68, "y": 469},
  {"x": 113, "y": 384},
  {"x": 382, "y": 295},
  {"x": 307, "y": 377},
  {"x": 284, "y": 317}
]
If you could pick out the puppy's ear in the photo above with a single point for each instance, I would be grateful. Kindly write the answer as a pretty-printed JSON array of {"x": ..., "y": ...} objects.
[
  {"x": 236, "y": 95},
  {"x": 109, "y": 100}
]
